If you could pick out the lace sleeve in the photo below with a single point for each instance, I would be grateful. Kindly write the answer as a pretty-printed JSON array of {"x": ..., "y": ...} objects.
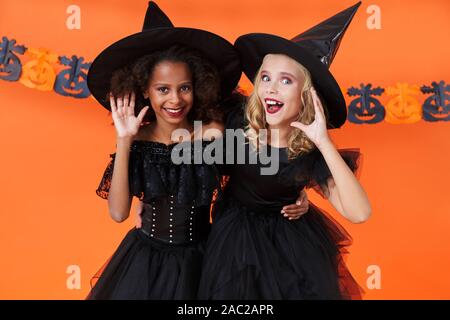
[{"x": 103, "y": 188}]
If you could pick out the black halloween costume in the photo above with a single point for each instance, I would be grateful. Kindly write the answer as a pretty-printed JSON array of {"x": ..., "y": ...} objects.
[
  {"x": 253, "y": 252},
  {"x": 161, "y": 260}
]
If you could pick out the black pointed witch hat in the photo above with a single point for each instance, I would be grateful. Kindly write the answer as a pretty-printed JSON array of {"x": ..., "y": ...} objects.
[
  {"x": 158, "y": 33},
  {"x": 314, "y": 49}
]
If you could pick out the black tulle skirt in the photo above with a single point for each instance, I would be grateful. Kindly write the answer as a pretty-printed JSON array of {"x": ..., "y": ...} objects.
[
  {"x": 251, "y": 255},
  {"x": 144, "y": 268}
]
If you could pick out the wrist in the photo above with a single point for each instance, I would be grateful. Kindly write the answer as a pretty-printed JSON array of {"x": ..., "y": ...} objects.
[
  {"x": 124, "y": 140},
  {"x": 324, "y": 144}
]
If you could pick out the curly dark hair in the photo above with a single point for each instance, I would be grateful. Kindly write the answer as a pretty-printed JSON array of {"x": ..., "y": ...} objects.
[{"x": 135, "y": 77}]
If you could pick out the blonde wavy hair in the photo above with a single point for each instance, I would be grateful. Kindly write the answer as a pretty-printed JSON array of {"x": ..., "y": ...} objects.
[{"x": 298, "y": 142}]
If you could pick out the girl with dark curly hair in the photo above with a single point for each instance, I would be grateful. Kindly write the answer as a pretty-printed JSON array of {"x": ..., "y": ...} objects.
[{"x": 155, "y": 82}]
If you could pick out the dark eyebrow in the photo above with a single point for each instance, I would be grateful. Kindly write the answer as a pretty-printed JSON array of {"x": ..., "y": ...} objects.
[
  {"x": 168, "y": 85},
  {"x": 161, "y": 84}
]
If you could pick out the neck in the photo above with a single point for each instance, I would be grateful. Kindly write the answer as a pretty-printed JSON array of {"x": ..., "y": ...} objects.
[
  {"x": 279, "y": 135},
  {"x": 163, "y": 130}
]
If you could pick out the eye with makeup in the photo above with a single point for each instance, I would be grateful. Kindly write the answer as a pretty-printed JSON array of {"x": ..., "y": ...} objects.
[
  {"x": 286, "y": 81},
  {"x": 265, "y": 78}
]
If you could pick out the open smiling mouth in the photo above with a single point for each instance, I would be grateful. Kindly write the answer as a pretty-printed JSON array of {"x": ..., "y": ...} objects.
[
  {"x": 174, "y": 112},
  {"x": 273, "y": 106}
]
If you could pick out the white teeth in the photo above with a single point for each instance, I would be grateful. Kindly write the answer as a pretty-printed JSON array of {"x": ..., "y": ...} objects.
[
  {"x": 274, "y": 103},
  {"x": 173, "y": 110}
]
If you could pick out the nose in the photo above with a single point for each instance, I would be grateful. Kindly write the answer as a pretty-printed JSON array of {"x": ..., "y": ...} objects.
[
  {"x": 272, "y": 88},
  {"x": 175, "y": 97}
]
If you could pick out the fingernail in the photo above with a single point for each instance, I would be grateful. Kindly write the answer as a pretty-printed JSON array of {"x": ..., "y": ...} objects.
[
  {"x": 282, "y": 211},
  {"x": 285, "y": 215},
  {"x": 298, "y": 202}
]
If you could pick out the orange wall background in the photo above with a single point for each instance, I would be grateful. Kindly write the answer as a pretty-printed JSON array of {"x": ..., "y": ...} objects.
[{"x": 54, "y": 148}]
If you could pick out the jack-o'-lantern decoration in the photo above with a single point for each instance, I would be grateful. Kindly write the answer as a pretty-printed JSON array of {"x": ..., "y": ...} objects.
[
  {"x": 436, "y": 107},
  {"x": 10, "y": 64},
  {"x": 365, "y": 109},
  {"x": 72, "y": 80},
  {"x": 403, "y": 107},
  {"x": 39, "y": 73}
]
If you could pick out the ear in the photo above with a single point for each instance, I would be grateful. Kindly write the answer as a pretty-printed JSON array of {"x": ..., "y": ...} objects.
[{"x": 145, "y": 94}]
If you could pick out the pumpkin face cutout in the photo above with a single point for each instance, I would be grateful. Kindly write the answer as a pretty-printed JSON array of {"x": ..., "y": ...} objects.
[
  {"x": 403, "y": 108},
  {"x": 72, "y": 81},
  {"x": 39, "y": 73},
  {"x": 365, "y": 109},
  {"x": 435, "y": 107},
  {"x": 10, "y": 65}
]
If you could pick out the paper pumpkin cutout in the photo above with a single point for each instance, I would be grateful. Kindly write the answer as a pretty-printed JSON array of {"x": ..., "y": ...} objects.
[
  {"x": 436, "y": 107},
  {"x": 39, "y": 73},
  {"x": 365, "y": 109},
  {"x": 10, "y": 65},
  {"x": 72, "y": 81},
  {"x": 403, "y": 108}
]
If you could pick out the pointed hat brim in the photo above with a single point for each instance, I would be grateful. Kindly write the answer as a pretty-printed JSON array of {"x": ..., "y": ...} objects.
[
  {"x": 314, "y": 49},
  {"x": 217, "y": 50},
  {"x": 159, "y": 34}
]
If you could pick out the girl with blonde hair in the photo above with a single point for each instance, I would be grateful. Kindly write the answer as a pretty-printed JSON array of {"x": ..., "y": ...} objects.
[{"x": 252, "y": 253}]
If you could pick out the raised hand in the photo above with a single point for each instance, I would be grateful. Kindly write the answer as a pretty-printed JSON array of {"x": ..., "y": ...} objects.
[
  {"x": 125, "y": 122},
  {"x": 317, "y": 130}
]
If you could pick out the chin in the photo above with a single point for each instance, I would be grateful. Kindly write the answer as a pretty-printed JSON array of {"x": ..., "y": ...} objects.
[
  {"x": 174, "y": 121},
  {"x": 279, "y": 122},
  {"x": 273, "y": 122}
]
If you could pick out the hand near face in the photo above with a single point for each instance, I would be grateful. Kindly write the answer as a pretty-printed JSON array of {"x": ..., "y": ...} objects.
[
  {"x": 317, "y": 130},
  {"x": 125, "y": 122}
]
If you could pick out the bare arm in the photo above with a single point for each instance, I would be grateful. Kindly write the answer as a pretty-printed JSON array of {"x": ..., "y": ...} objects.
[
  {"x": 345, "y": 192},
  {"x": 119, "y": 198},
  {"x": 333, "y": 196},
  {"x": 127, "y": 127}
]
